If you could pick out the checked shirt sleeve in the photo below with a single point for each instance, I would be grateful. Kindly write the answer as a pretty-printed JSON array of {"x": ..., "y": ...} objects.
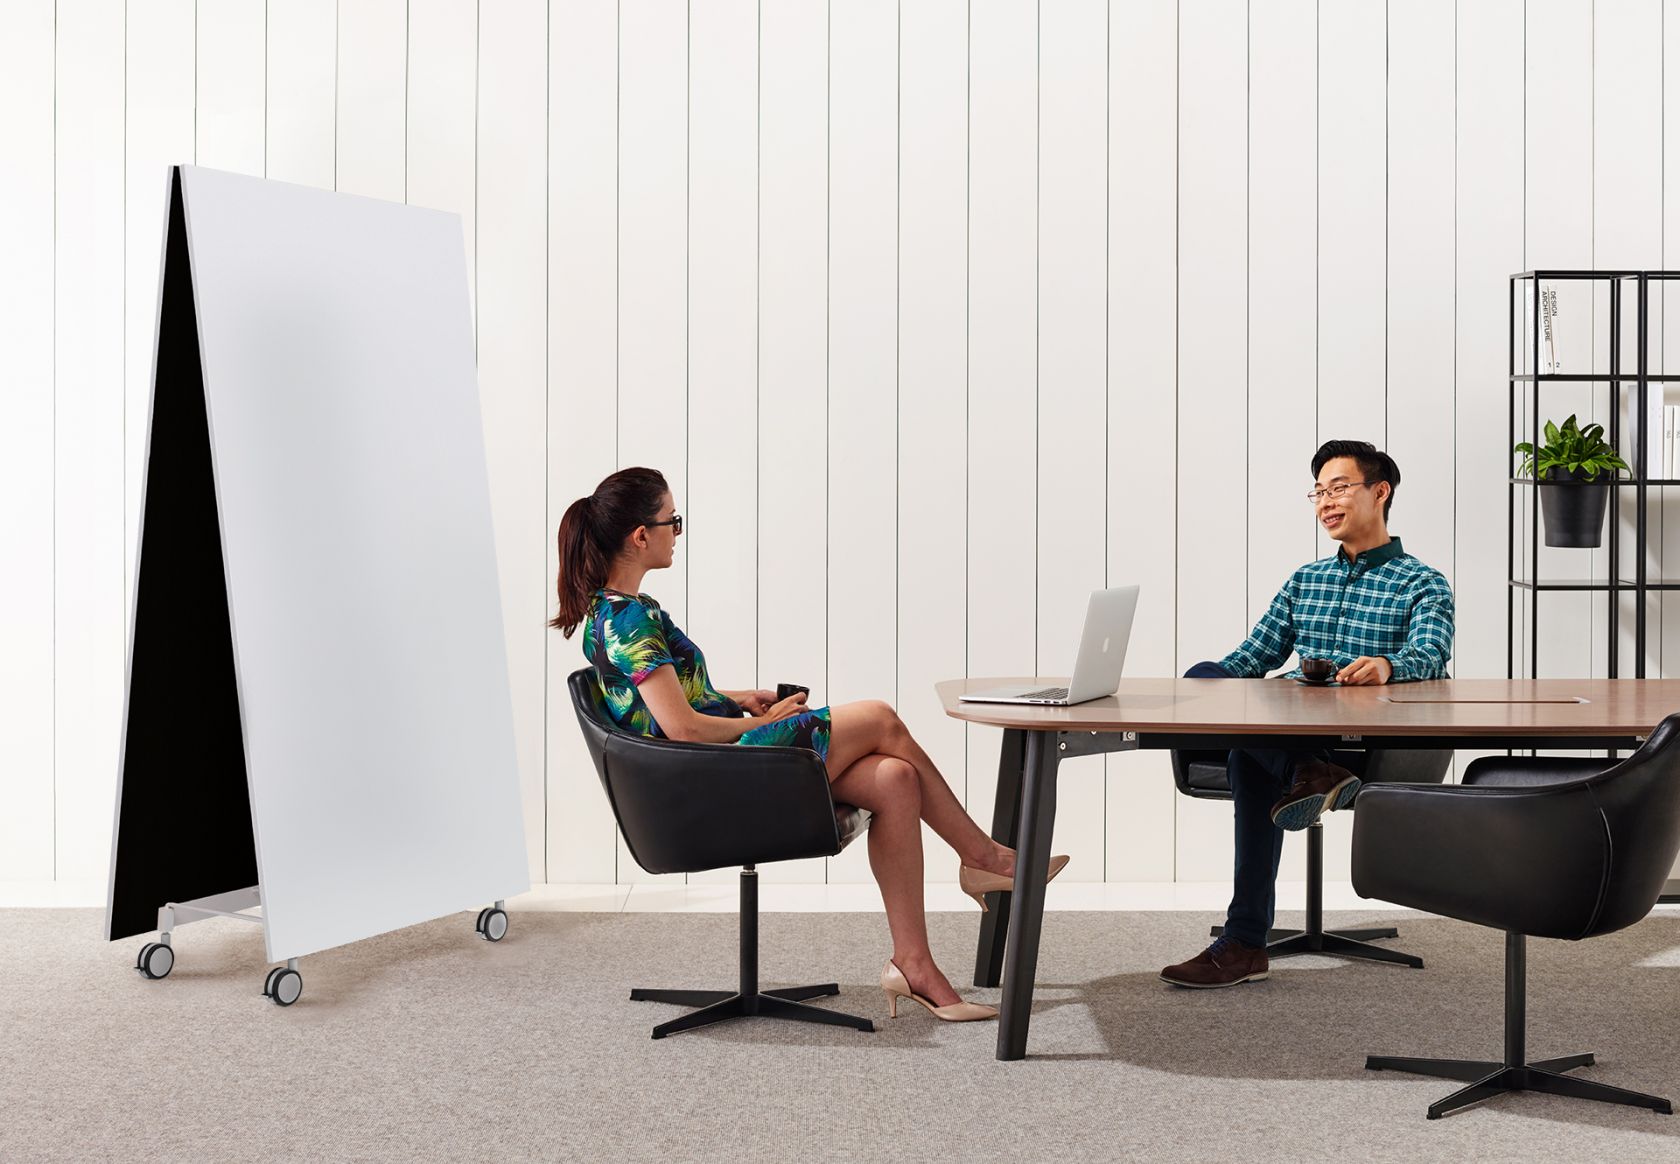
[
  {"x": 1269, "y": 644},
  {"x": 1429, "y": 634}
]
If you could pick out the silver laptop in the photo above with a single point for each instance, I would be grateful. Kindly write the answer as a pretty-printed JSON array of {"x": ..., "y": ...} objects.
[{"x": 1102, "y": 653}]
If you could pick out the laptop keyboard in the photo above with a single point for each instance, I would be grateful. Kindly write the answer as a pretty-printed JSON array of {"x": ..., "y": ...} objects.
[{"x": 1047, "y": 693}]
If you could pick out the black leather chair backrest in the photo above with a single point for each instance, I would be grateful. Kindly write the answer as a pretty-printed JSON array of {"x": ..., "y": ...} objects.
[
  {"x": 1640, "y": 801},
  {"x": 1200, "y": 773},
  {"x": 686, "y": 807},
  {"x": 1525, "y": 846}
]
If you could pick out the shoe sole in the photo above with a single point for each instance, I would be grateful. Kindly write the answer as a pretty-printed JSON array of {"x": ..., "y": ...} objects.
[
  {"x": 1300, "y": 814},
  {"x": 1261, "y": 976}
]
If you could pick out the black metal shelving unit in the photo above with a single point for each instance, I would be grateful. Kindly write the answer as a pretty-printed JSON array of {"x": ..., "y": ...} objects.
[{"x": 1620, "y": 378}]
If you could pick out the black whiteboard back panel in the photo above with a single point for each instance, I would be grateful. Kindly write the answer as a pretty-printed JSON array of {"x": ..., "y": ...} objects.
[{"x": 183, "y": 827}]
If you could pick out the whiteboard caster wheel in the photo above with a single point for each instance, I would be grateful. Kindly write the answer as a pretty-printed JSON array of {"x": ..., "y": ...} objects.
[
  {"x": 156, "y": 960},
  {"x": 492, "y": 924},
  {"x": 283, "y": 986}
]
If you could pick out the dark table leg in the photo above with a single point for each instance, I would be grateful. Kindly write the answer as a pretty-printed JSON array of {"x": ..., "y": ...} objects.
[
  {"x": 1006, "y": 818},
  {"x": 1026, "y": 906}
]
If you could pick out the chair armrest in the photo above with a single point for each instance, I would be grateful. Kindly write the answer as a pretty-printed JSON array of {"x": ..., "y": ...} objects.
[{"x": 1529, "y": 860}]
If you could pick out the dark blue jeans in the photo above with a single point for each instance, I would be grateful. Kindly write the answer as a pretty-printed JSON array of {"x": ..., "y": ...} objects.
[{"x": 1258, "y": 778}]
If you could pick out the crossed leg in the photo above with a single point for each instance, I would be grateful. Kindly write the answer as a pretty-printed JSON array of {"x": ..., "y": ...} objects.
[{"x": 874, "y": 763}]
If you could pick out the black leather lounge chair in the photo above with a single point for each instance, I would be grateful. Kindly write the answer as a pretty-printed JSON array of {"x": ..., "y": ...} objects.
[
  {"x": 1528, "y": 846},
  {"x": 688, "y": 807}
]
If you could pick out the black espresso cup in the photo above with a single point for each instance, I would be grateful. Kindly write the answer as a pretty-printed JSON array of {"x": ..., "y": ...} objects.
[
  {"x": 1318, "y": 670},
  {"x": 783, "y": 690}
]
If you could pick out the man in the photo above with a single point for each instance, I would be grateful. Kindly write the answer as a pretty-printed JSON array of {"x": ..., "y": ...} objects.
[{"x": 1381, "y": 616}]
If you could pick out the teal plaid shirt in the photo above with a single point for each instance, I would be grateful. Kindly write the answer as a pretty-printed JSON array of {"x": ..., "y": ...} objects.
[{"x": 1385, "y": 603}]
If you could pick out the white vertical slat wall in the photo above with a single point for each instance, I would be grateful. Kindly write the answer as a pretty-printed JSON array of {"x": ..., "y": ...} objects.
[
  {"x": 511, "y": 222},
  {"x": 28, "y": 456},
  {"x": 1072, "y": 374},
  {"x": 87, "y": 478},
  {"x": 1000, "y": 566},
  {"x": 583, "y": 378},
  {"x": 794, "y": 455},
  {"x": 937, "y": 313},
  {"x": 1212, "y": 448},
  {"x": 932, "y": 506},
  {"x": 863, "y": 382},
  {"x": 721, "y": 500},
  {"x": 1143, "y": 420},
  {"x": 1283, "y": 326}
]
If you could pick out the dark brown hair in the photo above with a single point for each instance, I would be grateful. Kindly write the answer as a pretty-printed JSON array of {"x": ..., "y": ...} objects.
[
  {"x": 592, "y": 533},
  {"x": 1375, "y": 464}
]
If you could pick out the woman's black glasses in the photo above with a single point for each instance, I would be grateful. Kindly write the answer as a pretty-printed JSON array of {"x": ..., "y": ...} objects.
[{"x": 674, "y": 521}]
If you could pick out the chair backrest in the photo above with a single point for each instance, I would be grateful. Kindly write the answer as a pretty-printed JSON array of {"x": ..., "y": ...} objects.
[
  {"x": 686, "y": 807},
  {"x": 1639, "y": 800},
  {"x": 1200, "y": 772}
]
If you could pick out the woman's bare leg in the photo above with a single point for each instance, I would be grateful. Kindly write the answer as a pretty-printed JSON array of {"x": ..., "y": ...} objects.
[
  {"x": 890, "y": 789},
  {"x": 871, "y": 727}
]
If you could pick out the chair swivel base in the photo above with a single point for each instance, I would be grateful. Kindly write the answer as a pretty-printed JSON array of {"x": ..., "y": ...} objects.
[
  {"x": 718, "y": 1005},
  {"x": 1487, "y": 1079},
  {"x": 1341, "y": 943}
]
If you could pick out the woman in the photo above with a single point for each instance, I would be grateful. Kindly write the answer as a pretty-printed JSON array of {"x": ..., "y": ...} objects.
[{"x": 655, "y": 683}]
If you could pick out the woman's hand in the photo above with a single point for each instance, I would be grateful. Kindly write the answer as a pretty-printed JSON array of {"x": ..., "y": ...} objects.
[
  {"x": 754, "y": 702},
  {"x": 791, "y": 706}
]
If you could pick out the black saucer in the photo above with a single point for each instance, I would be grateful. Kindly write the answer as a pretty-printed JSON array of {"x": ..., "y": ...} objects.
[{"x": 1302, "y": 679}]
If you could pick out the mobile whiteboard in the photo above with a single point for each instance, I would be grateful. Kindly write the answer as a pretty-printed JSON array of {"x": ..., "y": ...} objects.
[{"x": 317, "y": 699}]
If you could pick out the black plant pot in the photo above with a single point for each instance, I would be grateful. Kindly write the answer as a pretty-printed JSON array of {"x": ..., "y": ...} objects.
[{"x": 1574, "y": 513}]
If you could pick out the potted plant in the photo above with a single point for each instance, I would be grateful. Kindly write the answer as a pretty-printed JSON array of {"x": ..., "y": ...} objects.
[{"x": 1574, "y": 458}]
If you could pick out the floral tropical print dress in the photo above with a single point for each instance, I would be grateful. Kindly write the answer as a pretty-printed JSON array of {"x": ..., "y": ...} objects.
[{"x": 630, "y": 637}]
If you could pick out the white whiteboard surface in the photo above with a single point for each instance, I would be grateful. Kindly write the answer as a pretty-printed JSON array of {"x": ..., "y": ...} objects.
[{"x": 360, "y": 558}]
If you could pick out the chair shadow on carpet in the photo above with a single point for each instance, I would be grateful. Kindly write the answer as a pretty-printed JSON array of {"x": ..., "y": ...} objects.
[{"x": 1318, "y": 1016}]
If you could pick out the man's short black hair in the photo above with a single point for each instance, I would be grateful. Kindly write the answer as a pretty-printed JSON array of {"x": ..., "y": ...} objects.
[{"x": 1374, "y": 464}]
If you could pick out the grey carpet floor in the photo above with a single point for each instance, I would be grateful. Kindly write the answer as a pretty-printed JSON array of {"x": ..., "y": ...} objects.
[{"x": 430, "y": 1044}]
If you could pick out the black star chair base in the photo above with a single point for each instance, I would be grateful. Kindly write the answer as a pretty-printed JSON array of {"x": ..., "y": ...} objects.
[
  {"x": 1202, "y": 774},
  {"x": 684, "y": 808},
  {"x": 1545, "y": 846}
]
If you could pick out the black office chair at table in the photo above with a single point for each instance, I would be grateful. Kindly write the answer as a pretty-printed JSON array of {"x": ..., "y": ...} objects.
[
  {"x": 1201, "y": 774},
  {"x": 687, "y": 807},
  {"x": 1528, "y": 846}
]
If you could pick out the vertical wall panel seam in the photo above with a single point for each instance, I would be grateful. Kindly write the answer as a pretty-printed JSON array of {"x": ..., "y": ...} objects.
[
  {"x": 54, "y": 432},
  {"x": 758, "y": 345},
  {"x": 1108, "y": 339},
  {"x": 688, "y": 236},
  {"x": 758, "y": 340},
  {"x": 1178, "y": 311},
  {"x": 828, "y": 355},
  {"x": 408, "y": 51},
  {"x": 338, "y": 39},
  {"x": 548, "y": 370},
  {"x": 828, "y": 350},
  {"x": 265, "y": 92},
  {"x": 618, "y": 281},
  {"x": 968, "y": 310}
]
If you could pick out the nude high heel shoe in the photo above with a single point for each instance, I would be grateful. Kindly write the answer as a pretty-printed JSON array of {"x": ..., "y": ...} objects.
[
  {"x": 897, "y": 986},
  {"x": 977, "y": 882}
]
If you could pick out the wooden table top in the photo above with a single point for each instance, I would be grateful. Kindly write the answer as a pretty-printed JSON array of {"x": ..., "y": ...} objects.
[{"x": 1455, "y": 707}]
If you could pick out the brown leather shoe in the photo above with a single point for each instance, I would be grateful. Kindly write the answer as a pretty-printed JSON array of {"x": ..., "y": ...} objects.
[
  {"x": 1225, "y": 963},
  {"x": 1319, "y": 787}
]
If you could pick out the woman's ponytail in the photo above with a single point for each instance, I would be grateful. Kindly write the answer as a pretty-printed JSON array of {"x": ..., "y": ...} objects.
[{"x": 592, "y": 532}]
